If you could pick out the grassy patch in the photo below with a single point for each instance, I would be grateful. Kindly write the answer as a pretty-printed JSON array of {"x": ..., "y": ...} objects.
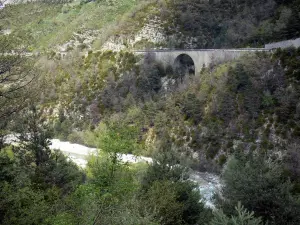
[{"x": 55, "y": 24}]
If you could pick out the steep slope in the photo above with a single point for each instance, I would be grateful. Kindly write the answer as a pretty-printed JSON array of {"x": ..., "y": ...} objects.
[
  {"x": 54, "y": 25},
  {"x": 246, "y": 104},
  {"x": 62, "y": 26}
]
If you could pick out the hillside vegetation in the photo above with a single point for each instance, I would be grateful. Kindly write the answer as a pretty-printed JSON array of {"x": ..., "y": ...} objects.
[
  {"x": 233, "y": 23},
  {"x": 239, "y": 119},
  {"x": 55, "y": 23},
  {"x": 200, "y": 24}
]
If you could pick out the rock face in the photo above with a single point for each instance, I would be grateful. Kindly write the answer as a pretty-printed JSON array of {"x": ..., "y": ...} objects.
[
  {"x": 10, "y": 2},
  {"x": 151, "y": 35},
  {"x": 5, "y": 32},
  {"x": 83, "y": 41},
  {"x": 151, "y": 32}
]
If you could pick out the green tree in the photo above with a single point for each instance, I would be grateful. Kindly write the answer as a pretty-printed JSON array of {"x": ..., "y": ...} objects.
[
  {"x": 149, "y": 80},
  {"x": 192, "y": 107},
  {"x": 261, "y": 187},
  {"x": 168, "y": 193},
  {"x": 242, "y": 217},
  {"x": 16, "y": 75},
  {"x": 112, "y": 177},
  {"x": 35, "y": 134},
  {"x": 116, "y": 139}
]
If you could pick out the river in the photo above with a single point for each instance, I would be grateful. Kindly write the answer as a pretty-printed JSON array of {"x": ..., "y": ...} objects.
[{"x": 208, "y": 183}]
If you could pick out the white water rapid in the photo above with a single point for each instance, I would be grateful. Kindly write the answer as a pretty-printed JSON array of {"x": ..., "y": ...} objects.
[{"x": 208, "y": 183}]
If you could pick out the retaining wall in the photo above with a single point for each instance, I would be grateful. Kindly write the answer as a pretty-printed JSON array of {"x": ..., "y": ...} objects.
[{"x": 284, "y": 44}]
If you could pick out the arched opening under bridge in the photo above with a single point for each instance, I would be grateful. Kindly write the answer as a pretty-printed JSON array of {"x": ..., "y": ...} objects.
[{"x": 184, "y": 65}]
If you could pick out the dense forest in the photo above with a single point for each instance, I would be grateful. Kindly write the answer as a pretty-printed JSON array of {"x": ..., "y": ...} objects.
[{"x": 238, "y": 119}]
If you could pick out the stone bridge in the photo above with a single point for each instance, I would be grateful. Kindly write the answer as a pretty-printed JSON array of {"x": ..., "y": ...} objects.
[{"x": 196, "y": 59}]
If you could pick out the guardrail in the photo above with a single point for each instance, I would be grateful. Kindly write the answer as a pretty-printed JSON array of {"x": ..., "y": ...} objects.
[{"x": 203, "y": 50}]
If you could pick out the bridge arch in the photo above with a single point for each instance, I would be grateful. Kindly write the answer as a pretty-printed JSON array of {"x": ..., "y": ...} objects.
[
  {"x": 184, "y": 65},
  {"x": 200, "y": 57}
]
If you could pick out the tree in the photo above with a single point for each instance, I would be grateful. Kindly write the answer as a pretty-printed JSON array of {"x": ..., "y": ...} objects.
[
  {"x": 168, "y": 193},
  {"x": 51, "y": 169},
  {"x": 107, "y": 170},
  {"x": 192, "y": 107},
  {"x": 149, "y": 79},
  {"x": 16, "y": 74},
  {"x": 242, "y": 217},
  {"x": 116, "y": 139},
  {"x": 260, "y": 185},
  {"x": 35, "y": 134},
  {"x": 114, "y": 183},
  {"x": 162, "y": 200},
  {"x": 33, "y": 179},
  {"x": 292, "y": 165},
  {"x": 20, "y": 203}
]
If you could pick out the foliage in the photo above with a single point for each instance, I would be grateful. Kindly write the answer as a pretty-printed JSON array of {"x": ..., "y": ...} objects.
[
  {"x": 22, "y": 206},
  {"x": 16, "y": 73},
  {"x": 254, "y": 181},
  {"x": 168, "y": 193},
  {"x": 288, "y": 57},
  {"x": 34, "y": 179},
  {"x": 36, "y": 135},
  {"x": 291, "y": 165},
  {"x": 118, "y": 138},
  {"x": 243, "y": 217},
  {"x": 230, "y": 103},
  {"x": 121, "y": 104},
  {"x": 231, "y": 23}
]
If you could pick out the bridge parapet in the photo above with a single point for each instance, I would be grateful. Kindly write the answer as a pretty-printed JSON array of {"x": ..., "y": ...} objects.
[
  {"x": 204, "y": 50},
  {"x": 201, "y": 57}
]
